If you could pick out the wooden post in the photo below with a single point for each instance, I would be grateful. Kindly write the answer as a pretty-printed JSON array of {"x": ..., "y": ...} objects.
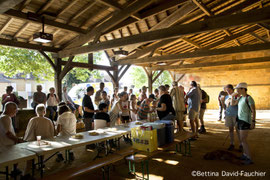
[
  {"x": 150, "y": 82},
  {"x": 115, "y": 77},
  {"x": 57, "y": 79}
]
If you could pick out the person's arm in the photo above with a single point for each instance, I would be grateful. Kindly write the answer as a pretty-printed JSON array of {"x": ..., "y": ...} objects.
[
  {"x": 4, "y": 99},
  {"x": 12, "y": 137},
  {"x": 172, "y": 92},
  {"x": 162, "y": 108},
  {"x": 58, "y": 129},
  {"x": 57, "y": 99},
  {"x": 90, "y": 110}
]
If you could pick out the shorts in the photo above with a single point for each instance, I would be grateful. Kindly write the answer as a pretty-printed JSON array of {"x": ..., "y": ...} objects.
[
  {"x": 230, "y": 121},
  {"x": 192, "y": 114},
  {"x": 202, "y": 111},
  {"x": 125, "y": 119},
  {"x": 243, "y": 125}
]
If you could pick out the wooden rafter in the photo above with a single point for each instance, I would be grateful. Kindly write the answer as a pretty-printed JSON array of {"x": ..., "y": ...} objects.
[
  {"x": 5, "y": 26},
  {"x": 5, "y": 5},
  {"x": 67, "y": 7},
  {"x": 123, "y": 72},
  {"x": 118, "y": 17},
  {"x": 211, "y": 24},
  {"x": 191, "y": 42},
  {"x": 48, "y": 59},
  {"x": 20, "y": 15},
  {"x": 87, "y": 66},
  {"x": 200, "y": 53},
  {"x": 45, "y": 6},
  {"x": 218, "y": 63},
  {"x": 82, "y": 11},
  {"x": 20, "y": 31},
  {"x": 259, "y": 37},
  {"x": 236, "y": 41},
  {"x": 24, "y": 4},
  {"x": 66, "y": 68}
]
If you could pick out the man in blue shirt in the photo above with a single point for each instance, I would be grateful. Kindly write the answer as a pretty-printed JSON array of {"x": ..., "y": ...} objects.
[
  {"x": 231, "y": 114},
  {"x": 193, "y": 98}
]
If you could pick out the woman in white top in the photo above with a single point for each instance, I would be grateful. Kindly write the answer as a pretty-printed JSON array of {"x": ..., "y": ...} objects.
[
  {"x": 125, "y": 107},
  {"x": 52, "y": 101},
  {"x": 66, "y": 122},
  {"x": 39, "y": 126}
]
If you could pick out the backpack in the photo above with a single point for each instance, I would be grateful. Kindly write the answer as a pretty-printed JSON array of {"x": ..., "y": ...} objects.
[{"x": 207, "y": 98}]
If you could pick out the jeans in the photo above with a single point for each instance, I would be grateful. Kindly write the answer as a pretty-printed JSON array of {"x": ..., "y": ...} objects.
[
  {"x": 52, "y": 109},
  {"x": 221, "y": 108},
  {"x": 88, "y": 123}
]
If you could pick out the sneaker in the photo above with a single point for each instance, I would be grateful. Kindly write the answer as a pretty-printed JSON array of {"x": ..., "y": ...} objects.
[
  {"x": 231, "y": 147},
  {"x": 59, "y": 157},
  {"x": 202, "y": 131},
  {"x": 247, "y": 162},
  {"x": 219, "y": 120},
  {"x": 71, "y": 156},
  {"x": 240, "y": 148},
  {"x": 243, "y": 157}
]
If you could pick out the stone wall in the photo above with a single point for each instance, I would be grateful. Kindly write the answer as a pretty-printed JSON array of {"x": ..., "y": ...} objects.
[{"x": 212, "y": 82}]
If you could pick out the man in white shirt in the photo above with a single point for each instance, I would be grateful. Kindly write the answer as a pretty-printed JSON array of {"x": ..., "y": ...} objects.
[
  {"x": 7, "y": 133},
  {"x": 98, "y": 93},
  {"x": 67, "y": 99},
  {"x": 66, "y": 122},
  {"x": 39, "y": 126}
]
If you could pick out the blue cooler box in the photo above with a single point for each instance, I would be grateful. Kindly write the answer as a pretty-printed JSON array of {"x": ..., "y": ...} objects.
[
  {"x": 169, "y": 130},
  {"x": 161, "y": 132}
]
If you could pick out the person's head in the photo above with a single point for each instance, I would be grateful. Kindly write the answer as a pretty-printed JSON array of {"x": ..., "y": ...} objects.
[
  {"x": 125, "y": 88},
  {"x": 174, "y": 84},
  {"x": 156, "y": 91},
  {"x": 133, "y": 97},
  {"x": 229, "y": 88},
  {"x": 103, "y": 107},
  {"x": 9, "y": 89},
  {"x": 101, "y": 85},
  {"x": 162, "y": 90},
  {"x": 130, "y": 91},
  {"x": 40, "y": 110},
  {"x": 52, "y": 90},
  {"x": 65, "y": 89},
  {"x": 123, "y": 96},
  {"x": 140, "y": 90},
  {"x": 104, "y": 95},
  {"x": 182, "y": 87},
  {"x": 90, "y": 90},
  {"x": 193, "y": 84},
  {"x": 167, "y": 86},
  {"x": 63, "y": 109},
  {"x": 241, "y": 88},
  {"x": 10, "y": 109},
  {"x": 39, "y": 88},
  {"x": 144, "y": 89},
  {"x": 151, "y": 97}
]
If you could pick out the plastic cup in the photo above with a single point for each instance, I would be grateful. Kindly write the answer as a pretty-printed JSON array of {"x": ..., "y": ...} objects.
[{"x": 38, "y": 140}]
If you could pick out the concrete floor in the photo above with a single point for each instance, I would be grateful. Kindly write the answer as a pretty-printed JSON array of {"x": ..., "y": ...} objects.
[{"x": 167, "y": 165}]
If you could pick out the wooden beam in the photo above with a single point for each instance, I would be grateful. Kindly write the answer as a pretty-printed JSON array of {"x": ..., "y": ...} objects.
[
  {"x": 87, "y": 66},
  {"x": 67, "y": 7},
  {"x": 5, "y": 5},
  {"x": 191, "y": 42},
  {"x": 225, "y": 68},
  {"x": 66, "y": 68},
  {"x": 259, "y": 37},
  {"x": 45, "y": 6},
  {"x": 18, "y": 44},
  {"x": 24, "y": 4},
  {"x": 20, "y": 15},
  {"x": 117, "y": 18},
  {"x": 124, "y": 72},
  {"x": 5, "y": 26},
  {"x": 147, "y": 50},
  {"x": 203, "y": 7},
  {"x": 265, "y": 26},
  {"x": 111, "y": 76},
  {"x": 48, "y": 59},
  {"x": 210, "y": 24},
  {"x": 213, "y": 64},
  {"x": 181, "y": 77},
  {"x": 91, "y": 60},
  {"x": 230, "y": 34},
  {"x": 25, "y": 26},
  {"x": 82, "y": 10},
  {"x": 199, "y": 53},
  {"x": 157, "y": 76}
]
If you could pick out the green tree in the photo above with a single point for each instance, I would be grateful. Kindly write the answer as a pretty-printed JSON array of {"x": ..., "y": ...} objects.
[
  {"x": 15, "y": 60},
  {"x": 139, "y": 78}
]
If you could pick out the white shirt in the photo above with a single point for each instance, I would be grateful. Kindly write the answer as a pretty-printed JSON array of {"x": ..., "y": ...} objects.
[
  {"x": 5, "y": 126},
  {"x": 51, "y": 101},
  {"x": 39, "y": 126},
  {"x": 67, "y": 120}
]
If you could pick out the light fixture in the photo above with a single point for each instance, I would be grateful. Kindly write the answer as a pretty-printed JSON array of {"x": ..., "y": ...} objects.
[
  {"x": 121, "y": 53},
  {"x": 42, "y": 37}
]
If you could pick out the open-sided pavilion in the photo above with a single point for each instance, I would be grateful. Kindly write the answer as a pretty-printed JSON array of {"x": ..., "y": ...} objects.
[{"x": 181, "y": 36}]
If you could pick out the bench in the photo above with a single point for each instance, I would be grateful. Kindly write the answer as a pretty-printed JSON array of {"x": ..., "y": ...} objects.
[
  {"x": 103, "y": 163},
  {"x": 138, "y": 158}
]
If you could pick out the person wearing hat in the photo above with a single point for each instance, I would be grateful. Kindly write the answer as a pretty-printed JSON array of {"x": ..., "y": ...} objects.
[
  {"x": 143, "y": 95},
  {"x": 246, "y": 119},
  {"x": 177, "y": 96},
  {"x": 145, "y": 107},
  {"x": 10, "y": 97}
]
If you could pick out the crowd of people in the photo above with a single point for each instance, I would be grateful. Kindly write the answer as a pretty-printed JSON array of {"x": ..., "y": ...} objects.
[{"x": 167, "y": 103}]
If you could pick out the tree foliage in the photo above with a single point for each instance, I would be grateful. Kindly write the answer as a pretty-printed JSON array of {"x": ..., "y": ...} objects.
[
  {"x": 139, "y": 78},
  {"x": 15, "y": 60}
]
